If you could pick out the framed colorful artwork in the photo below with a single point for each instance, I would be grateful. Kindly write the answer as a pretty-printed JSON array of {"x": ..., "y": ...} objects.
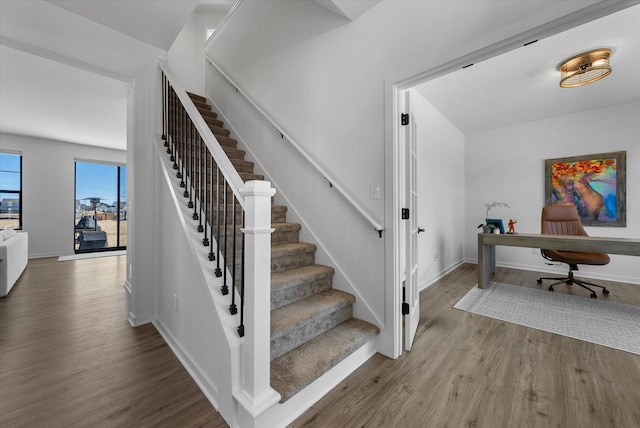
[{"x": 595, "y": 184}]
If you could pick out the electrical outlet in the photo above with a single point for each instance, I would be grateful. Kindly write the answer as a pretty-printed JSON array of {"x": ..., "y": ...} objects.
[
  {"x": 374, "y": 191},
  {"x": 175, "y": 302}
]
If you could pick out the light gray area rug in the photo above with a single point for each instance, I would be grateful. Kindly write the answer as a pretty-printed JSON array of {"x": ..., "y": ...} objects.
[{"x": 615, "y": 325}]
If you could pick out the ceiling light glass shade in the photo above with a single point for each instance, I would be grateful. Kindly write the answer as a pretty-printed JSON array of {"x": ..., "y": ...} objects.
[{"x": 585, "y": 68}]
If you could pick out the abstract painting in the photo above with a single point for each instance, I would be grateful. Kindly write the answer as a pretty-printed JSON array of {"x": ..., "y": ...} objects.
[{"x": 595, "y": 184}]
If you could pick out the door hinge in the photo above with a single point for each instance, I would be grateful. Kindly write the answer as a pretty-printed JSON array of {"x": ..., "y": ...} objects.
[
  {"x": 405, "y": 213},
  {"x": 405, "y": 305},
  {"x": 404, "y": 119},
  {"x": 405, "y": 309}
]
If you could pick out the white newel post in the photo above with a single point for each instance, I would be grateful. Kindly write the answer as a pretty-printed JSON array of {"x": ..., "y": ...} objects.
[{"x": 256, "y": 394}]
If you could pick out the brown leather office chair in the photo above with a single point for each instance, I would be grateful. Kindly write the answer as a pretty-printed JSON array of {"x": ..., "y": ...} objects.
[{"x": 564, "y": 220}]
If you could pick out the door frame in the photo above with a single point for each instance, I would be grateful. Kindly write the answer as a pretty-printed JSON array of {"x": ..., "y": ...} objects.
[{"x": 390, "y": 344}]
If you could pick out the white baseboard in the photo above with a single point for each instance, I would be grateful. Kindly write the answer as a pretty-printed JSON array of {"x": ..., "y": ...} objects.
[
  {"x": 138, "y": 320},
  {"x": 433, "y": 278},
  {"x": 204, "y": 382}
]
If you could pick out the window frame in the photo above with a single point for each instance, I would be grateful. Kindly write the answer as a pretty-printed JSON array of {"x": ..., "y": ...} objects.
[{"x": 18, "y": 192}]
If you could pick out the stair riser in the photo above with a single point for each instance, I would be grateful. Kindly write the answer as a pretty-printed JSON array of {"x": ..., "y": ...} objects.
[
  {"x": 280, "y": 298},
  {"x": 219, "y": 131},
  {"x": 303, "y": 333},
  {"x": 293, "y": 261}
]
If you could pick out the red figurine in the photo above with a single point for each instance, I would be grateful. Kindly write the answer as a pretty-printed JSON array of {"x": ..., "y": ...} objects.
[{"x": 512, "y": 224}]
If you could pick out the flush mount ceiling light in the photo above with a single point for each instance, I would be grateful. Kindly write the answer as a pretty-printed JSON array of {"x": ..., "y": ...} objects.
[{"x": 585, "y": 68}]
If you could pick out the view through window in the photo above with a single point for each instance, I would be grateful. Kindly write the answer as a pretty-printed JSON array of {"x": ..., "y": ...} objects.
[
  {"x": 10, "y": 190},
  {"x": 100, "y": 207}
]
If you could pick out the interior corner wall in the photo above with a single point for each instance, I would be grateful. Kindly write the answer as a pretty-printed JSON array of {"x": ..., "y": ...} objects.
[
  {"x": 507, "y": 164},
  {"x": 48, "y": 189},
  {"x": 144, "y": 126},
  {"x": 441, "y": 191},
  {"x": 185, "y": 55}
]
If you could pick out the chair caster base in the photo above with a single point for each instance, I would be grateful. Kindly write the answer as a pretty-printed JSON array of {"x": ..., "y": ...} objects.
[
  {"x": 594, "y": 296},
  {"x": 539, "y": 282},
  {"x": 550, "y": 288},
  {"x": 605, "y": 292}
]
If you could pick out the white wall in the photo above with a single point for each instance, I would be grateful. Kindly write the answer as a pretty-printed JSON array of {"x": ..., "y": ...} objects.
[
  {"x": 322, "y": 79},
  {"x": 48, "y": 189},
  {"x": 185, "y": 55},
  {"x": 507, "y": 164},
  {"x": 441, "y": 190}
]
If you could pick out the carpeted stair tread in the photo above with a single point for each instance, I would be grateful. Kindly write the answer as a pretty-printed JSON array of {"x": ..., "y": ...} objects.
[
  {"x": 234, "y": 153},
  {"x": 296, "y": 323},
  {"x": 227, "y": 141},
  {"x": 294, "y": 277},
  {"x": 201, "y": 105},
  {"x": 214, "y": 121},
  {"x": 298, "y": 368},
  {"x": 289, "y": 249},
  {"x": 290, "y": 316},
  {"x": 197, "y": 97},
  {"x": 219, "y": 131},
  {"x": 207, "y": 113},
  {"x": 242, "y": 165},
  {"x": 292, "y": 285},
  {"x": 292, "y": 255}
]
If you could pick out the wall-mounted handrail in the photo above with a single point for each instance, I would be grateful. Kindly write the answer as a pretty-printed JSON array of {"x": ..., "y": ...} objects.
[
  {"x": 332, "y": 182},
  {"x": 232, "y": 177}
]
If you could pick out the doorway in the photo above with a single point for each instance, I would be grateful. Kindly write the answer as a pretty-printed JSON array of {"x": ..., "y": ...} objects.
[
  {"x": 100, "y": 214},
  {"x": 395, "y": 162}
]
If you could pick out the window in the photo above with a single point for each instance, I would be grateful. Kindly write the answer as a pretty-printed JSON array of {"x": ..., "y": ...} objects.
[
  {"x": 100, "y": 207},
  {"x": 10, "y": 190}
]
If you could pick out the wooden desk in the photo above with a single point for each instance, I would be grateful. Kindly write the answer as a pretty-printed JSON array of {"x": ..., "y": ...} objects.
[{"x": 590, "y": 244}]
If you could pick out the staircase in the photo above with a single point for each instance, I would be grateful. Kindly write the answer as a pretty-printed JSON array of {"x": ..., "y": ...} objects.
[{"x": 312, "y": 325}]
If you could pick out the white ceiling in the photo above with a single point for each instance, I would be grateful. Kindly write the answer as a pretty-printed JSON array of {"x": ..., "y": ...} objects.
[
  {"x": 523, "y": 85},
  {"x": 157, "y": 23},
  {"x": 215, "y": 6},
  {"x": 47, "y": 99}
]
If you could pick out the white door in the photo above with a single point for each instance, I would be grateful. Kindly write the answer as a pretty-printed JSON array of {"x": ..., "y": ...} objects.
[{"x": 411, "y": 306}]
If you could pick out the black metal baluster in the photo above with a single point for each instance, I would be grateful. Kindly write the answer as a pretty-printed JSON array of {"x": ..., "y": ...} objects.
[
  {"x": 164, "y": 109},
  {"x": 212, "y": 256},
  {"x": 179, "y": 140},
  {"x": 205, "y": 191},
  {"x": 170, "y": 118},
  {"x": 233, "y": 308},
  {"x": 202, "y": 179},
  {"x": 225, "y": 287},
  {"x": 175, "y": 127},
  {"x": 241, "y": 326},
  {"x": 196, "y": 178},
  {"x": 190, "y": 168},
  {"x": 207, "y": 196},
  {"x": 218, "y": 272},
  {"x": 198, "y": 197}
]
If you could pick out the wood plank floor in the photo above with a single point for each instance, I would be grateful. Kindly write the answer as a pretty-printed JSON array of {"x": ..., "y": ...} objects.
[
  {"x": 69, "y": 358},
  {"x": 467, "y": 370}
]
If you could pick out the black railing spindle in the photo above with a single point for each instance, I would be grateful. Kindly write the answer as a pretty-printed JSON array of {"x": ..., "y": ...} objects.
[
  {"x": 225, "y": 287},
  {"x": 218, "y": 272},
  {"x": 233, "y": 308}
]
